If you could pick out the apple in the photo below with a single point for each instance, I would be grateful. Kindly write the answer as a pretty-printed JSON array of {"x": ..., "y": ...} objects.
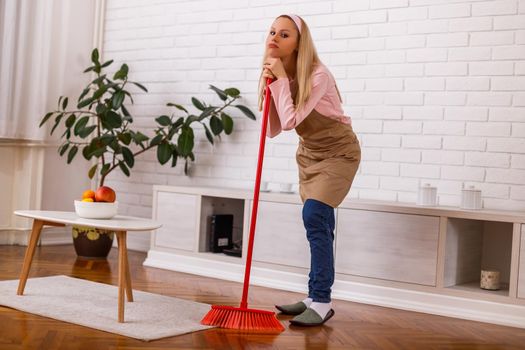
[{"x": 105, "y": 194}]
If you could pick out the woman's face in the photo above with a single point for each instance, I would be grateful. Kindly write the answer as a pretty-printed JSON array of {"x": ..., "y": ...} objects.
[{"x": 282, "y": 39}]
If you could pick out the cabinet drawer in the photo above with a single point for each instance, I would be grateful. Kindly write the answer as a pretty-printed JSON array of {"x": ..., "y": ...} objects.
[
  {"x": 178, "y": 215},
  {"x": 391, "y": 246}
]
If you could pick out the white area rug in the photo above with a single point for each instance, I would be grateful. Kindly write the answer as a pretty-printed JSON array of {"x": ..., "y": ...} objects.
[{"x": 95, "y": 305}]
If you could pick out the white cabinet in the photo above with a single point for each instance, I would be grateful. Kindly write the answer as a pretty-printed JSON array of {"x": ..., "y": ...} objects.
[
  {"x": 178, "y": 214},
  {"x": 390, "y": 246},
  {"x": 280, "y": 236},
  {"x": 386, "y": 253}
]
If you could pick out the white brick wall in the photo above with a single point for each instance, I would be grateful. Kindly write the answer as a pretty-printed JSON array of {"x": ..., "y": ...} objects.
[{"x": 434, "y": 87}]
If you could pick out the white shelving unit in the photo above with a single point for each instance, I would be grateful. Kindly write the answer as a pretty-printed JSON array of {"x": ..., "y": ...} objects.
[{"x": 398, "y": 255}]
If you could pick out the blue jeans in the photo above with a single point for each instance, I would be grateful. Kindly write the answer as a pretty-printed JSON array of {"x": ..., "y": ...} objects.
[{"x": 319, "y": 222}]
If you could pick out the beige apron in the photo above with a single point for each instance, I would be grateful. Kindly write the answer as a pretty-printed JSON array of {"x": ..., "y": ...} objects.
[{"x": 328, "y": 157}]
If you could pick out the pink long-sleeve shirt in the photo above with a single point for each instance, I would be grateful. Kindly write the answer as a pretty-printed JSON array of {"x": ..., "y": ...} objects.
[{"x": 323, "y": 98}]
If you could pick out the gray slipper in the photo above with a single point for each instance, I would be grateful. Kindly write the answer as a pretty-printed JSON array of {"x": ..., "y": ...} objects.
[
  {"x": 310, "y": 318},
  {"x": 292, "y": 309}
]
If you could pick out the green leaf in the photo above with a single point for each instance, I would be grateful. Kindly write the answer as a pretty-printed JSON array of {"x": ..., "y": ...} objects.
[
  {"x": 89, "y": 69},
  {"x": 126, "y": 113},
  {"x": 208, "y": 133},
  {"x": 86, "y": 151},
  {"x": 117, "y": 100},
  {"x": 129, "y": 95},
  {"x": 84, "y": 93},
  {"x": 177, "y": 106},
  {"x": 163, "y": 120},
  {"x": 70, "y": 121},
  {"x": 128, "y": 157},
  {"x": 95, "y": 56},
  {"x": 222, "y": 95},
  {"x": 111, "y": 120},
  {"x": 71, "y": 154},
  {"x": 174, "y": 156},
  {"x": 156, "y": 140},
  {"x": 227, "y": 123},
  {"x": 115, "y": 146},
  {"x": 198, "y": 104},
  {"x": 64, "y": 103},
  {"x": 124, "y": 137},
  {"x": 85, "y": 102},
  {"x": 45, "y": 119},
  {"x": 92, "y": 171},
  {"x": 246, "y": 111},
  {"x": 138, "y": 137},
  {"x": 105, "y": 169},
  {"x": 233, "y": 92},
  {"x": 100, "y": 92},
  {"x": 124, "y": 168},
  {"x": 216, "y": 125},
  {"x": 99, "y": 79},
  {"x": 185, "y": 141},
  {"x": 192, "y": 156},
  {"x": 81, "y": 123},
  {"x": 107, "y": 63},
  {"x": 122, "y": 73},
  {"x": 83, "y": 133},
  {"x": 142, "y": 87},
  {"x": 63, "y": 149},
  {"x": 164, "y": 153},
  {"x": 57, "y": 122},
  {"x": 179, "y": 122},
  {"x": 101, "y": 108},
  {"x": 98, "y": 152},
  {"x": 67, "y": 134}
]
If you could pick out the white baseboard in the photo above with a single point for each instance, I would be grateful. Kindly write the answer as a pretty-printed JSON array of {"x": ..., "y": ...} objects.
[
  {"x": 49, "y": 236},
  {"x": 432, "y": 303},
  {"x": 14, "y": 236}
]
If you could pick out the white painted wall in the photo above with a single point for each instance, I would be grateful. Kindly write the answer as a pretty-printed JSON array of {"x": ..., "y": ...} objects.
[{"x": 435, "y": 89}]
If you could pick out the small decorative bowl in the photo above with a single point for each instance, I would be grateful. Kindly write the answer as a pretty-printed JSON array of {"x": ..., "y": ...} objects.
[{"x": 96, "y": 210}]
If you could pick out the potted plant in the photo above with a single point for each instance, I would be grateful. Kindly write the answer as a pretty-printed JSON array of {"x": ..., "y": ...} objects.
[{"x": 100, "y": 128}]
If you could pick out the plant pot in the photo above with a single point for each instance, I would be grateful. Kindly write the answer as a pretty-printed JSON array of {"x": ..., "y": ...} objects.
[{"x": 92, "y": 243}]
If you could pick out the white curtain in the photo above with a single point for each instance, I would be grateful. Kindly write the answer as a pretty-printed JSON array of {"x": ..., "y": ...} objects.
[{"x": 39, "y": 42}]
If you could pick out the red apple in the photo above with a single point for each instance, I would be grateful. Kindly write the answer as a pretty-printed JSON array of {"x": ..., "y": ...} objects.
[{"x": 105, "y": 194}]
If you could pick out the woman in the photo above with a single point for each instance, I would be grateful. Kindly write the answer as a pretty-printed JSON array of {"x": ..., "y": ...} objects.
[{"x": 305, "y": 98}]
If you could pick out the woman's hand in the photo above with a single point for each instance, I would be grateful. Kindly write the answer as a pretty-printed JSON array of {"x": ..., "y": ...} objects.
[
  {"x": 268, "y": 74},
  {"x": 273, "y": 68}
]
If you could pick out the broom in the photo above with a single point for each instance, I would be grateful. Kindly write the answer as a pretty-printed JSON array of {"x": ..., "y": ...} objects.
[{"x": 242, "y": 317}]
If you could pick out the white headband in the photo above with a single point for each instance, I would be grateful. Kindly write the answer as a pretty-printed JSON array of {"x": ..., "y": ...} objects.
[{"x": 297, "y": 21}]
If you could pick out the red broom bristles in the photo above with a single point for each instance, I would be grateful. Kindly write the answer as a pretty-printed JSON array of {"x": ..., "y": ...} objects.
[{"x": 242, "y": 319}]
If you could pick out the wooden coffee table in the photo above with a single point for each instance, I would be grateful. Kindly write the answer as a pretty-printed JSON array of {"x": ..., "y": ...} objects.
[{"x": 120, "y": 224}]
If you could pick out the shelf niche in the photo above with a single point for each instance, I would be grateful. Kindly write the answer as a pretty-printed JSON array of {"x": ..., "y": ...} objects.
[
  {"x": 219, "y": 206},
  {"x": 475, "y": 245}
]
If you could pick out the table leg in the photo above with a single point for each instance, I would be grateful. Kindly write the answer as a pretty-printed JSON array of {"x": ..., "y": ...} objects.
[
  {"x": 129, "y": 290},
  {"x": 30, "y": 252},
  {"x": 121, "y": 273}
]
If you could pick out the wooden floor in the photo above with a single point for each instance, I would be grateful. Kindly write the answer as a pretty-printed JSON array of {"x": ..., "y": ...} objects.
[{"x": 354, "y": 326}]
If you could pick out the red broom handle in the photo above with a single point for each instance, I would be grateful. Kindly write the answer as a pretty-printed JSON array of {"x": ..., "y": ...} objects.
[{"x": 262, "y": 141}]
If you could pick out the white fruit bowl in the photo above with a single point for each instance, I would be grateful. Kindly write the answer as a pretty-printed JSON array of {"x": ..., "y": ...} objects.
[{"x": 96, "y": 210}]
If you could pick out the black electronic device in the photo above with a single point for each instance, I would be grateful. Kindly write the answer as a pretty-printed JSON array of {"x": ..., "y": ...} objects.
[{"x": 220, "y": 230}]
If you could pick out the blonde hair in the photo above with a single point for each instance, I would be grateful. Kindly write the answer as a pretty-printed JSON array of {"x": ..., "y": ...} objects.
[{"x": 307, "y": 59}]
